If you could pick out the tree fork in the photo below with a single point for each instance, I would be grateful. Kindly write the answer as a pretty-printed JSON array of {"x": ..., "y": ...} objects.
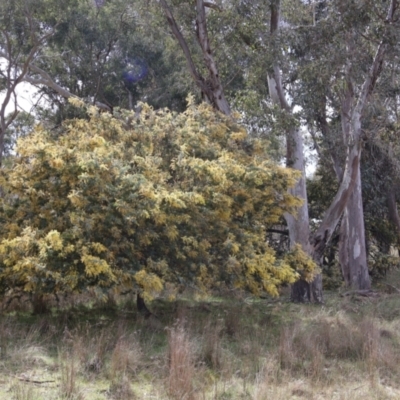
[{"x": 210, "y": 87}]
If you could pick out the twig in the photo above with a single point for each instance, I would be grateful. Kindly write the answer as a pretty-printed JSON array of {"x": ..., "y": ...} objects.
[
  {"x": 393, "y": 287},
  {"x": 32, "y": 381},
  {"x": 365, "y": 292}
]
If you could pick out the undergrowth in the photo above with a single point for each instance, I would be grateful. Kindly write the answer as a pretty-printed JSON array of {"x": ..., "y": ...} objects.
[{"x": 214, "y": 348}]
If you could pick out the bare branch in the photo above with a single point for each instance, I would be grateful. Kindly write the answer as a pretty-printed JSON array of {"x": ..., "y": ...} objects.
[
  {"x": 375, "y": 68},
  {"x": 46, "y": 80},
  {"x": 275, "y": 81},
  {"x": 212, "y": 87},
  {"x": 215, "y": 93},
  {"x": 182, "y": 42}
]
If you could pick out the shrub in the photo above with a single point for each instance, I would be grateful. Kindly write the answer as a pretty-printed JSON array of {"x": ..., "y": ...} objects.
[{"x": 120, "y": 201}]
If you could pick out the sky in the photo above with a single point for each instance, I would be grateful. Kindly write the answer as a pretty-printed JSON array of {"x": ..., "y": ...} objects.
[{"x": 26, "y": 97}]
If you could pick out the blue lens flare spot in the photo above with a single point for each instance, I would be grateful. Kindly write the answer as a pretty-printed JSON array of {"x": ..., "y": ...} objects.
[{"x": 135, "y": 70}]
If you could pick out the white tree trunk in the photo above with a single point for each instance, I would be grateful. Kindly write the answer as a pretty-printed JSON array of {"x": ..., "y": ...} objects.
[
  {"x": 351, "y": 126},
  {"x": 299, "y": 224},
  {"x": 352, "y": 245}
]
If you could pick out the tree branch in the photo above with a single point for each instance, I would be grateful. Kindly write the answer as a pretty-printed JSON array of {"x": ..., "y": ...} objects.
[
  {"x": 376, "y": 67},
  {"x": 182, "y": 42},
  {"x": 281, "y": 232},
  {"x": 46, "y": 80},
  {"x": 275, "y": 81},
  {"x": 215, "y": 91},
  {"x": 212, "y": 87}
]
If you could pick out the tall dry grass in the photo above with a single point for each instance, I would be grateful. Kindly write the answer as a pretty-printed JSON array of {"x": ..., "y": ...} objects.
[
  {"x": 212, "y": 344},
  {"x": 21, "y": 391},
  {"x": 315, "y": 348},
  {"x": 69, "y": 387},
  {"x": 211, "y": 351},
  {"x": 181, "y": 363}
]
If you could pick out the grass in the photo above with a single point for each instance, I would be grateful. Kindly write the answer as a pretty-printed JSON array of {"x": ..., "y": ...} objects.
[{"x": 216, "y": 348}]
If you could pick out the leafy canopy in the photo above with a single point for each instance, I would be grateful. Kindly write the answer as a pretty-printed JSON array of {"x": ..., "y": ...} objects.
[{"x": 120, "y": 201}]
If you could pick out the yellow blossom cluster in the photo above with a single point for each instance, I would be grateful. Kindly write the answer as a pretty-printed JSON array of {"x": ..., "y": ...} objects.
[{"x": 164, "y": 198}]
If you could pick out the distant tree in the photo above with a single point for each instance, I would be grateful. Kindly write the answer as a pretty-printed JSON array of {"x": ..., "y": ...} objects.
[{"x": 23, "y": 36}]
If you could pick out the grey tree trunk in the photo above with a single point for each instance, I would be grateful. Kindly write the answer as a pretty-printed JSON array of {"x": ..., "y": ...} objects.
[
  {"x": 354, "y": 251},
  {"x": 299, "y": 224},
  {"x": 352, "y": 245}
]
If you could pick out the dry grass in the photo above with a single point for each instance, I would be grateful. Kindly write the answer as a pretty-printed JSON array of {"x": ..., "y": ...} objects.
[
  {"x": 121, "y": 389},
  {"x": 181, "y": 368},
  {"x": 318, "y": 348},
  {"x": 212, "y": 344},
  {"x": 215, "y": 349},
  {"x": 125, "y": 357},
  {"x": 68, "y": 388},
  {"x": 19, "y": 391}
]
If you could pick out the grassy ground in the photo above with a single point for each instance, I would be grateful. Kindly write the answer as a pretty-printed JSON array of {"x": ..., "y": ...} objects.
[{"x": 217, "y": 348}]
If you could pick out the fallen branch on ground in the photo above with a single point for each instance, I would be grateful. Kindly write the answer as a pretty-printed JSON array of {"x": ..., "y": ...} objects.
[
  {"x": 32, "y": 381},
  {"x": 365, "y": 293}
]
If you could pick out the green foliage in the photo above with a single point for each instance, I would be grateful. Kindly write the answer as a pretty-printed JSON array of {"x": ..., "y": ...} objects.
[
  {"x": 321, "y": 189},
  {"x": 181, "y": 198},
  {"x": 116, "y": 55},
  {"x": 380, "y": 264},
  {"x": 21, "y": 127}
]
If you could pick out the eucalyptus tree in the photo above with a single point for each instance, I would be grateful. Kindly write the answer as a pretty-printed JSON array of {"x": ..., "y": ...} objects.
[
  {"x": 381, "y": 162},
  {"x": 329, "y": 34},
  {"x": 106, "y": 53},
  {"x": 112, "y": 54},
  {"x": 349, "y": 64},
  {"x": 25, "y": 28},
  {"x": 332, "y": 62},
  {"x": 263, "y": 58}
]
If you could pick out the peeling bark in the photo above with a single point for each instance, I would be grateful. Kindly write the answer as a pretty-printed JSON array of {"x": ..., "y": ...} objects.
[
  {"x": 338, "y": 205},
  {"x": 352, "y": 230},
  {"x": 351, "y": 115},
  {"x": 352, "y": 244},
  {"x": 351, "y": 125}
]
